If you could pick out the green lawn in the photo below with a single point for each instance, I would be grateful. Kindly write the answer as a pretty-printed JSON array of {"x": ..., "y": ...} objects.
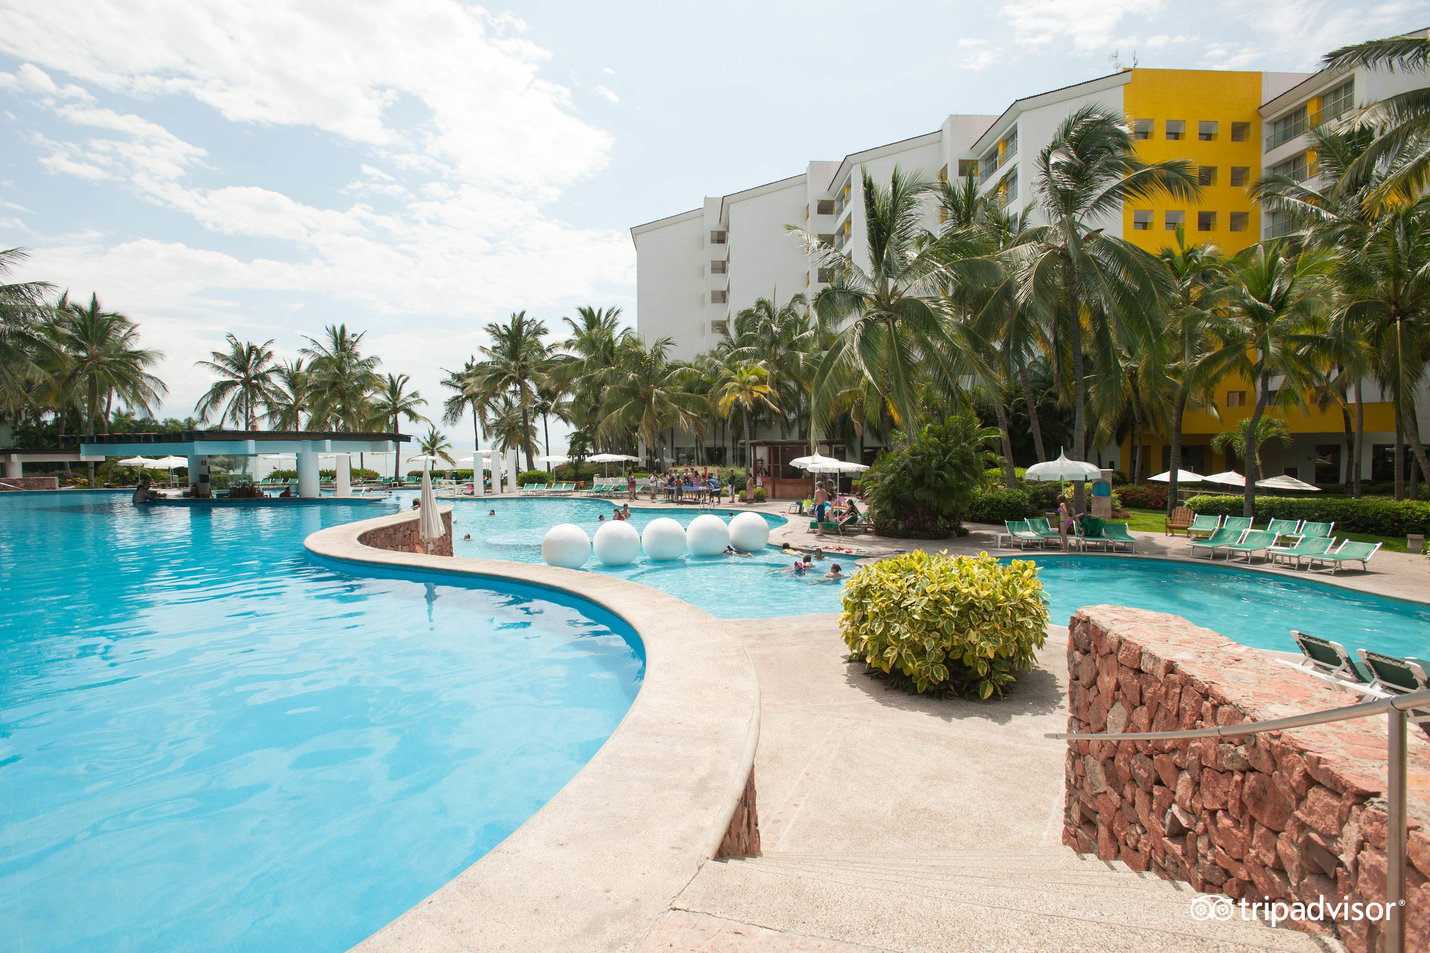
[{"x": 1151, "y": 521}]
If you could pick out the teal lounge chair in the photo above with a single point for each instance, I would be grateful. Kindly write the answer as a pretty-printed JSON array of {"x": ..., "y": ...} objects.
[
  {"x": 1017, "y": 530},
  {"x": 1285, "y": 528},
  {"x": 1331, "y": 663},
  {"x": 1308, "y": 546},
  {"x": 1119, "y": 535},
  {"x": 1309, "y": 529},
  {"x": 1039, "y": 525},
  {"x": 1254, "y": 540},
  {"x": 1237, "y": 522},
  {"x": 1090, "y": 532},
  {"x": 1218, "y": 540},
  {"x": 1350, "y": 551},
  {"x": 1203, "y": 526}
]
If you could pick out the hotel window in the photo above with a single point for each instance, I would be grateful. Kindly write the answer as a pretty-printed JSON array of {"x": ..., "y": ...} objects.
[
  {"x": 1237, "y": 221},
  {"x": 1176, "y": 128},
  {"x": 1236, "y": 398},
  {"x": 827, "y": 239},
  {"x": 718, "y": 267},
  {"x": 1207, "y": 130},
  {"x": 1294, "y": 168},
  {"x": 719, "y": 327},
  {"x": 967, "y": 167},
  {"x": 1288, "y": 127},
  {"x": 717, "y": 237},
  {"x": 1141, "y": 219},
  {"x": 825, "y": 207},
  {"x": 1010, "y": 145},
  {"x": 1206, "y": 221},
  {"x": 1240, "y": 131},
  {"x": 826, "y": 275},
  {"x": 718, "y": 297},
  {"x": 1142, "y": 129},
  {"x": 1206, "y": 175},
  {"x": 1240, "y": 175},
  {"x": 1175, "y": 220},
  {"x": 1338, "y": 101}
]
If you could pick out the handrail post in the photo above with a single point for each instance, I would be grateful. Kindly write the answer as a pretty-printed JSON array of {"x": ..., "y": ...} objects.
[{"x": 1396, "y": 834}]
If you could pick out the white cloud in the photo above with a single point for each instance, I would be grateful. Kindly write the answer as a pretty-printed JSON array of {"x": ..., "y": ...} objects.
[
  {"x": 606, "y": 93},
  {"x": 976, "y": 54},
  {"x": 1089, "y": 25},
  {"x": 1295, "y": 34}
]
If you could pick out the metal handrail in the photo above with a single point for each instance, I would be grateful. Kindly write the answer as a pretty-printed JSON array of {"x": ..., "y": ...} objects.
[{"x": 1397, "y": 772}]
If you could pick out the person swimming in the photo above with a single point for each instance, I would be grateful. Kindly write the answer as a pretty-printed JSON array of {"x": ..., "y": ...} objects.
[
  {"x": 491, "y": 512},
  {"x": 732, "y": 551},
  {"x": 834, "y": 573}
]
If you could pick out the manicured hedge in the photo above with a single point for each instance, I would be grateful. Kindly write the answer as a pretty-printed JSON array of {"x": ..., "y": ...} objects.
[
  {"x": 534, "y": 476},
  {"x": 1142, "y": 497},
  {"x": 997, "y": 504},
  {"x": 1377, "y": 517}
]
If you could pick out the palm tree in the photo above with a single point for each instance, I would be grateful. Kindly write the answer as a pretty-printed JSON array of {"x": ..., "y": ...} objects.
[
  {"x": 589, "y": 360},
  {"x": 340, "y": 378},
  {"x": 1267, "y": 430},
  {"x": 514, "y": 365},
  {"x": 783, "y": 340},
  {"x": 1402, "y": 121},
  {"x": 551, "y": 401},
  {"x": 467, "y": 396},
  {"x": 288, "y": 395},
  {"x": 895, "y": 326},
  {"x": 101, "y": 361},
  {"x": 393, "y": 402},
  {"x": 22, "y": 312},
  {"x": 508, "y": 427},
  {"x": 745, "y": 386},
  {"x": 648, "y": 393},
  {"x": 245, "y": 380},
  {"x": 1276, "y": 302},
  {"x": 435, "y": 444},
  {"x": 1078, "y": 276}
]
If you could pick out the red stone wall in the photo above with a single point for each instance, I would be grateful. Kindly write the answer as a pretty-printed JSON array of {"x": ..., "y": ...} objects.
[
  {"x": 11, "y": 484},
  {"x": 1292, "y": 815},
  {"x": 403, "y": 537}
]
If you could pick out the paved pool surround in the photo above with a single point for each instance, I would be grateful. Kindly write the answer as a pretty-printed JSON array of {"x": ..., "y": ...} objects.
[{"x": 671, "y": 788}]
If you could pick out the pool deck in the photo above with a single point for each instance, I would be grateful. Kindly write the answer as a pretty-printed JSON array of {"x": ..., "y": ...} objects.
[{"x": 889, "y": 822}]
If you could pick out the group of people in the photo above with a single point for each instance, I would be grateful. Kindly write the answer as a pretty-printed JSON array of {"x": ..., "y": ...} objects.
[
  {"x": 844, "y": 510},
  {"x": 620, "y": 514},
  {"x": 679, "y": 482}
]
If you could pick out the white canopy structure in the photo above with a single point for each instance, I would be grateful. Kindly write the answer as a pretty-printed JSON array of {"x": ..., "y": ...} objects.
[
  {"x": 1287, "y": 482},
  {"x": 1227, "y": 478},
  {"x": 1183, "y": 476},
  {"x": 1062, "y": 469}
]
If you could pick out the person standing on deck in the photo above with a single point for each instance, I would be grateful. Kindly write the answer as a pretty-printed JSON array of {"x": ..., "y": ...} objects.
[{"x": 821, "y": 504}]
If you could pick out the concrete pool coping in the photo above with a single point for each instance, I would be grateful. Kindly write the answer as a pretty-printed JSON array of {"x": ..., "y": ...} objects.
[{"x": 600, "y": 861}]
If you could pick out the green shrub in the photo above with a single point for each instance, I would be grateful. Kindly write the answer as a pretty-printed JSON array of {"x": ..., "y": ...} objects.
[
  {"x": 958, "y": 625},
  {"x": 1375, "y": 517},
  {"x": 1142, "y": 497},
  {"x": 534, "y": 476},
  {"x": 759, "y": 496},
  {"x": 998, "y": 504},
  {"x": 923, "y": 487}
]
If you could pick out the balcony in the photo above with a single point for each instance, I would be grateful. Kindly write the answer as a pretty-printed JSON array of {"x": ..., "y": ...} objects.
[
  {"x": 1286, "y": 134},
  {"x": 992, "y": 167}
]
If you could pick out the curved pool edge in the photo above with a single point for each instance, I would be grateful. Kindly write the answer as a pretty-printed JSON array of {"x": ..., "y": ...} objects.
[{"x": 599, "y": 863}]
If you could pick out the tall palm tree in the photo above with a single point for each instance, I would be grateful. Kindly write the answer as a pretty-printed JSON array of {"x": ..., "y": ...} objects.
[
  {"x": 1401, "y": 121},
  {"x": 392, "y": 402},
  {"x": 102, "y": 361},
  {"x": 515, "y": 363},
  {"x": 340, "y": 378},
  {"x": 587, "y": 361},
  {"x": 244, "y": 382},
  {"x": 508, "y": 426},
  {"x": 467, "y": 396},
  {"x": 288, "y": 395},
  {"x": 894, "y": 327},
  {"x": 1275, "y": 312},
  {"x": 649, "y": 393},
  {"x": 434, "y": 443},
  {"x": 745, "y": 386},
  {"x": 1082, "y": 279},
  {"x": 22, "y": 312},
  {"x": 783, "y": 340}
]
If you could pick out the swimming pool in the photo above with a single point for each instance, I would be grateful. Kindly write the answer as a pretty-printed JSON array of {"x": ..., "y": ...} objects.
[{"x": 211, "y": 742}]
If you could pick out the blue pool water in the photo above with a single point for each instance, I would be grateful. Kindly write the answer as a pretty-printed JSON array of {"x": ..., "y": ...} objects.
[{"x": 208, "y": 742}]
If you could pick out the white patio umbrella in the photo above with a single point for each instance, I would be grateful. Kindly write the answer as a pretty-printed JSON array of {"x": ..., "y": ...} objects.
[
  {"x": 429, "y": 523},
  {"x": 1227, "y": 478},
  {"x": 818, "y": 463},
  {"x": 1183, "y": 476},
  {"x": 1286, "y": 482},
  {"x": 553, "y": 458},
  {"x": 137, "y": 462},
  {"x": 611, "y": 458},
  {"x": 170, "y": 463},
  {"x": 1062, "y": 469}
]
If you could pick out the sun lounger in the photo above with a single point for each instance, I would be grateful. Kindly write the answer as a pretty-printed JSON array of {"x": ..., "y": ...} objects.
[
  {"x": 1222, "y": 538},
  {"x": 1203, "y": 526},
  {"x": 1394, "y": 676},
  {"x": 1039, "y": 525},
  {"x": 1331, "y": 663},
  {"x": 1308, "y": 546},
  {"x": 1090, "y": 533},
  {"x": 1119, "y": 535},
  {"x": 1285, "y": 527},
  {"x": 1017, "y": 531},
  {"x": 1238, "y": 522},
  {"x": 1179, "y": 522},
  {"x": 1254, "y": 540},
  {"x": 1350, "y": 551}
]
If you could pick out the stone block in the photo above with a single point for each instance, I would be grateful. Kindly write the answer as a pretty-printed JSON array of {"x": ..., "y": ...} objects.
[
  {"x": 1116, "y": 718},
  {"x": 1215, "y": 785},
  {"x": 1266, "y": 802},
  {"x": 1233, "y": 757},
  {"x": 1323, "y": 810},
  {"x": 1229, "y": 835},
  {"x": 1143, "y": 773}
]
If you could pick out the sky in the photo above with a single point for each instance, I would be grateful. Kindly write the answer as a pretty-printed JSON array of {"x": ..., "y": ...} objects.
[{"x": 420, "y": 169}]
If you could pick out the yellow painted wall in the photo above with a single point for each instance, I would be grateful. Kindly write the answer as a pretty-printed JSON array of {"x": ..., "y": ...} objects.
[{"x": 1193, "y": 96}]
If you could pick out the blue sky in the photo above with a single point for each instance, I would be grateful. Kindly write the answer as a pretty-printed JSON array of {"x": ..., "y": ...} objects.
[{"x": 419, "y": 169}]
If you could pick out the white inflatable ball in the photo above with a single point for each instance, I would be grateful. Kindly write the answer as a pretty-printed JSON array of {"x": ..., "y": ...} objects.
[
  {"x": 663, "y": 538},
  {"x": 749, "y": 532},
  {"x": 617, "y": 543},
  {"x": 707, "y": 535},
  {"x": 565, "y": 545}
]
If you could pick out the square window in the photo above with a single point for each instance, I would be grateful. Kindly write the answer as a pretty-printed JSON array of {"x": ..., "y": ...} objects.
[
  {"x": 1141, "y": 219},
  {"x": 718, "y": 266},
  {"x": 826, "y": 275},
  {"x": 1238, "y": 221},
  {"x": 1236, "y": 398},
  {"x": 717, "y": 237},
  {"x": 1206, "y": 175},
  {"x": 718, "y": 297},
  {"x": 1207, "y": 130},
  {"x": 1206, "y": 221},
  {"x": 1240, "y": 175},
  {"x": 827, "y": 239},
  {"x": 719, "y": 327},
  {"x": 825, "y": 207},
  {"x": 1142, "y": 129},
  {"x": 1176, "y": 128},
  {"x": 1240, "y": 131},
  {"x": 967, "y": 167},
  {"x": 1175, "y": 220}
]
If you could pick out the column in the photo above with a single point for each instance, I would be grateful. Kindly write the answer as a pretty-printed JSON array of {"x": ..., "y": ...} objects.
[
  {"x": 344, "y": 480},
  {"x": 307, "y": 472},
  {"x": 14, "y": 469},
  {"x": 199, "y": 476},
  {"x": 511, "y": 471}
]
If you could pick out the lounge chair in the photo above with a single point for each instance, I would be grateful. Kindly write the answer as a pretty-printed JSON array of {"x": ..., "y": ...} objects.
[
  {"x": 1254, "y": 540},
  {"x": 1090, "y": 532},
  {"x": 1018, "y": 530},
  {"x": 1223, "y": 537},
  {"x": 1331, "y": 663},
  {"x": 1203, "y": 525},
  {"x": 1309, "y": 529},
  {"x": 1238, "y": 522},
  {"x": 1179, "y": 522},
  {"x": 1118, "y": 533},
  {"x": 1350, "y": 551},
  {"x": 1040, "y": 525},
  {"x": 1308, "y": 546},
  {"x": 1285, "y": 528},
  {"x": 1394, "y": 676}
]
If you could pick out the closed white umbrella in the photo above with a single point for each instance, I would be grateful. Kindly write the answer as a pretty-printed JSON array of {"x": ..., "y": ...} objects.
[
  {"x": 1183, "y": 476},
  {"x": 429, "y": 523},
  {"x": 1286, "y": 483},
  {"x": 1227, "y": 478},
  {"x": 1062, "y": 469}
]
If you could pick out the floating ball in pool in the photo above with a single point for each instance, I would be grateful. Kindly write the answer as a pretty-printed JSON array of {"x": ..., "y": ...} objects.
[
  {"x": 749, "y": 532},
  {"x": 707, "y": 535},
  {"x": 663, "y": 538},
  {"x": 565, "y": 545},
  {"x": 616, "y": 543}
]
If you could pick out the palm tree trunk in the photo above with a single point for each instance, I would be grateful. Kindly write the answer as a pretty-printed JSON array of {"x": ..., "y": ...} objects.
[
  {"x": 526, "y": 437},
  {"x": 1251, "y": 454},
  {"x": 1010, "y": 475},
  {"x": 749, "y": 471},
  {"x": 1399, "y": 456},
  {"x": 1079, "y": 391},
  {"x": 1175, "y": 457},
  {"x": 1359, "y": 445},
  {"x": 1033, "y": 422}
]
